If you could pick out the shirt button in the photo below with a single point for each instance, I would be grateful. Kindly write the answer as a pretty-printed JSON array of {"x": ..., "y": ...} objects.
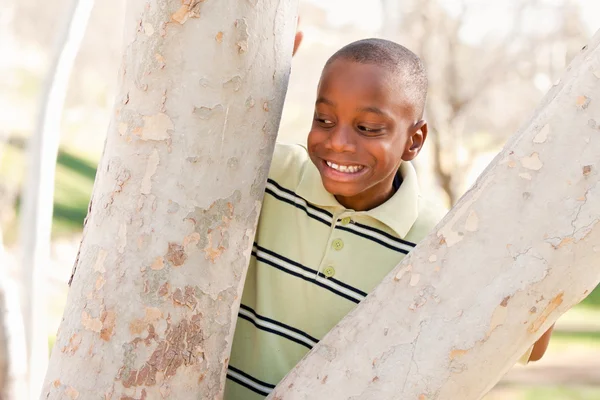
[
  {"x": 337, "y": 244},
  {"x": 329, "y": 271},
  {"x": 346, "y": 220}
]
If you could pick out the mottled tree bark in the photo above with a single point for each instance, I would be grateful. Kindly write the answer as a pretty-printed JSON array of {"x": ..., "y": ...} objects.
[
  {"x": 518, "y": 250},
  {"x": 156, "y": 287}
]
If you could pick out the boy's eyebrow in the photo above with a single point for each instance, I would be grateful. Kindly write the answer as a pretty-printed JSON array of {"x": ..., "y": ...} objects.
[
  {"x": 326, "y": 101},
  {"x": 373, "y": 110}
]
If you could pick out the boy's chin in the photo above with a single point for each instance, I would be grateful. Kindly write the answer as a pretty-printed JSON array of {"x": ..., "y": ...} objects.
[{"x": 341, "y": 189}]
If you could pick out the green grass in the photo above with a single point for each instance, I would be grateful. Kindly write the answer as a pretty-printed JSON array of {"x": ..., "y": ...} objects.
[
  {"x": 593, "y": 300},
  {"x": 73, "y": 188}
]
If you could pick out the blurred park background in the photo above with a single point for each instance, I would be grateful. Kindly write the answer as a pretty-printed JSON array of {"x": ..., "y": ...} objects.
[{"x": 489, "y": 62}]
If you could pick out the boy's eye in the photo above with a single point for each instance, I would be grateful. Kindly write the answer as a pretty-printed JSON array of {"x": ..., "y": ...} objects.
[
  {"x": 368, "y": 129},
  {"x": 324, "y": 121}
]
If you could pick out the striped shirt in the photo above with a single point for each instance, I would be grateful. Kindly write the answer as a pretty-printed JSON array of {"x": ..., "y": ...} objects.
[{"x": 312, "y": 262}]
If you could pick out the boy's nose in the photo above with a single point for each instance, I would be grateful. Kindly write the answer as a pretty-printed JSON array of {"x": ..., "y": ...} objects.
[{"x": 341, "y": 139}]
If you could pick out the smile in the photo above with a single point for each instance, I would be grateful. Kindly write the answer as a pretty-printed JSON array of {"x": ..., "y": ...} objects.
[{"x": 347, "y": 169}]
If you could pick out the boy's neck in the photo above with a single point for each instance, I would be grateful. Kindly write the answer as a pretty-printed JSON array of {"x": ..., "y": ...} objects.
[{"x": 368, "y": 200}]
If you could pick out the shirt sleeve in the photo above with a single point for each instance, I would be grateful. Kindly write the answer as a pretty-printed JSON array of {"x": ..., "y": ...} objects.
[{"x": 524, "y": 360}]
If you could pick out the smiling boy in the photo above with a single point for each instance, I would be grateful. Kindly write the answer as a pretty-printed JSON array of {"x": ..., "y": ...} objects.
[{"x": 337, "y": 215}]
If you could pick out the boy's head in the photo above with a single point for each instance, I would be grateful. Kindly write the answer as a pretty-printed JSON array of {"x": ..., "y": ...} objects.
[{"x": 368, "y": 119}]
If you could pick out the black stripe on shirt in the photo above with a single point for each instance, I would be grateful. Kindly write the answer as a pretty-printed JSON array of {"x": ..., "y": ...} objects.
[
  {"x": 279, "y": 333},
  {"x": 312, "y": 280},
  {"x": 253, "y": 379},
  {"x": 292, "y": 193},
  {"x": 310, "y": 270},
  {"x": 381, "y": 242},
  {"x": 328, "y": 223},
  {"x": 299, "y": 206},
  {"x": 387, "y": 235}
]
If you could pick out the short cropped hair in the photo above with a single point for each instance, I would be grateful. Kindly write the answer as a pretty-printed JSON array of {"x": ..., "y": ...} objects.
[{"x": 399, "y": 60}]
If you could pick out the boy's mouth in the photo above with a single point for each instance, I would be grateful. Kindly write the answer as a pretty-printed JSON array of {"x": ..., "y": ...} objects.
[{"x": 347, "y": 169}]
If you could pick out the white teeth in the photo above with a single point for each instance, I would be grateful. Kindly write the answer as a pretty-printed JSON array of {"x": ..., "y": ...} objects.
[{"x": 349, "y": 169}]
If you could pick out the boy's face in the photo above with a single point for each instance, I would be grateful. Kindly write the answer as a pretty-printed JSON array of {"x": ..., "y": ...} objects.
[{"x": 363, "y": 128}]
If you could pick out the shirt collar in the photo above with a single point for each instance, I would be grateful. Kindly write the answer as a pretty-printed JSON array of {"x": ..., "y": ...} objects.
[{"x": 399, "y": 213}]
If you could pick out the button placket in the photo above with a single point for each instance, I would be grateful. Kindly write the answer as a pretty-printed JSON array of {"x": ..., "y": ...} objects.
[{"x": 326, "y": 263}]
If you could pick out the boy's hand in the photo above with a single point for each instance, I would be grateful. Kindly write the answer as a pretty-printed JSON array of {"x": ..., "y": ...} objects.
[
  {"x": 297, "y": 39},
  {"x": 539, "y": 348}
]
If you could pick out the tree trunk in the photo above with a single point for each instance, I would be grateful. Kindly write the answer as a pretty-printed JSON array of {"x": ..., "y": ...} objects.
[
  {"x": 13, "y": 353},
  {"x": 517, "y": 251},
  {"x": 36, "y": 215},
  {"x": 156, "y": 288}
]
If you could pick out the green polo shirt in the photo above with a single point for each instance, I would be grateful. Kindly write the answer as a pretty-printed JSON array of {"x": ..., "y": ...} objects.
[{"x": 312, "y": 262}]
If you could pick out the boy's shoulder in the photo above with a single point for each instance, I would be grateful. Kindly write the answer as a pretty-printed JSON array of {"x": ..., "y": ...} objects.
[
  {"x": 430, "y": 214},
  {"x": 288, "y": 164}
]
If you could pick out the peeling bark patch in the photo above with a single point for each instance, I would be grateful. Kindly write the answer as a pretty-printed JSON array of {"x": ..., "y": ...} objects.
[
  {"x": 161, "y": 64},
  {"x": 212, "y": 224},
  {"x": 100, "y": 281},
  {"x": 242, "y": 35},
  {"x": 234, "y": 83},
  {"x": 158, "y": 264},
  {"x": 587, "y": 169},
  {"x": 582, "y": 102},
  {"x": 143, "y": 396},
  {"x": 151, "y": 167},
  {"x": 148, "y": 29},
  {"x": 100, "y": 258},
  {"x": 164, "y": 289},
  {"x": 89, "y": 323},
  {"x": 532, "y": 162},
  {"x": 414, "y": 279},
  {"x": 564, "y": 242},
  {"x": 186, "y": 297},
  {"x": 191, "y": 240},
  {"x": 181, "y": 346},
  {"x": 189, "y": 9},
  {"x": 542, "y": 136},
  {"x": 156, "y": 127},
  {"x": 402, "y": 272},
  {"x": 525, "y": 175},
  {"x": 71, "y": 392},
  {"x": 176, "y": 254},
  {"x": 553, "y": 305},
  {"x": 454, "y": 354},
  {"x": 208, "y": 112},
  {"x": 108, "y": 325},
  {"x": 498, "y": 317},
  {"x": 73, "y": 346},
  {"x": 152, "y": 315}
]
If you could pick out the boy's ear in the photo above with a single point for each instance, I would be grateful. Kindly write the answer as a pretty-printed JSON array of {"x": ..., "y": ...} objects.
[{"x": 416, "y": 138}]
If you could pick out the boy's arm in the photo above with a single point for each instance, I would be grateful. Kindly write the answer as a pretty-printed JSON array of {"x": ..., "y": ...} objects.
[
  {"x": 539, "y": 348},
  {"x": 536, "y": 352}
]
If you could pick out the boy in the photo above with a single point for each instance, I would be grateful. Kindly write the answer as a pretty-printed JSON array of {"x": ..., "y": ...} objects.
[{"x": 337, "y": 216}]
